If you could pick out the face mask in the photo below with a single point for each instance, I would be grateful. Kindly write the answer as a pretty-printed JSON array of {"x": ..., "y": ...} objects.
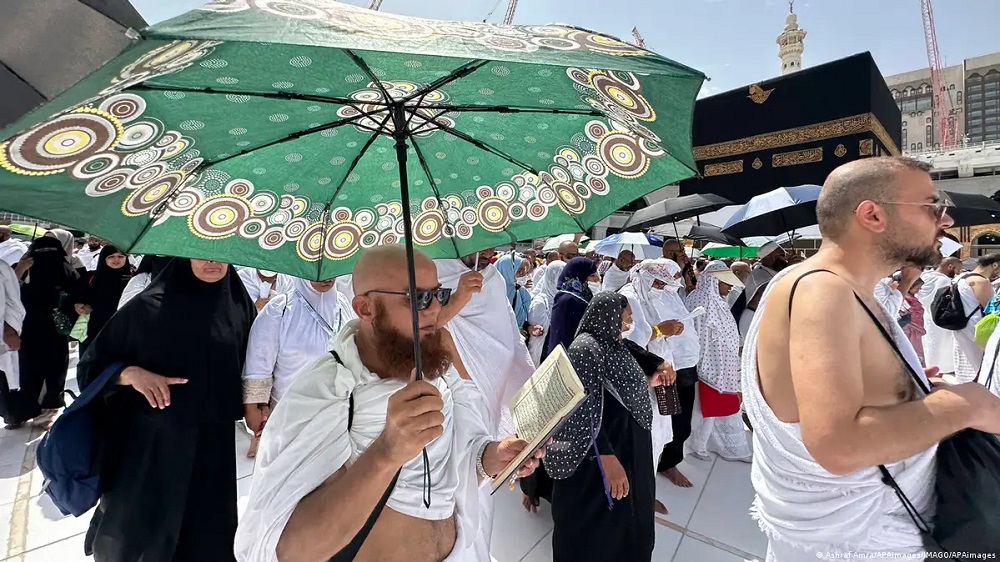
[
  {"x": 522, "y": 280},
  {"x": 594, "y": 287},
  {"x": 626, "y": 327},
  {"x": 657, "y": 289}
]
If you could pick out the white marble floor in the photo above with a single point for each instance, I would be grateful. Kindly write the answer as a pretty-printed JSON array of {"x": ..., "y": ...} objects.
[{"x": 707, "y": 523}]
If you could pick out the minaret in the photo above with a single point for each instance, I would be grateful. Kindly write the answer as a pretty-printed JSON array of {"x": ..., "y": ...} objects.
[{"x": 790, "y": 43}]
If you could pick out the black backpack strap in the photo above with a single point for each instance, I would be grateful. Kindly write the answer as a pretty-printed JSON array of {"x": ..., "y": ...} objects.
[
  {"x": 795, "y": 285},
  {"x": 350, "y": 552}
]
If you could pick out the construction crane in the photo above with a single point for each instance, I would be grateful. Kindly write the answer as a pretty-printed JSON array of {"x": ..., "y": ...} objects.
[
  {"x": 638, "y": 38},
  {"x": 946, "y": 136},
  {"x": 375, "y": 5},
  {"x": 508, "y": 18}
]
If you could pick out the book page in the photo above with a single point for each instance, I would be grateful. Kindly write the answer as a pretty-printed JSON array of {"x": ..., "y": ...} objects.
[{"x": 545, "y": 401}]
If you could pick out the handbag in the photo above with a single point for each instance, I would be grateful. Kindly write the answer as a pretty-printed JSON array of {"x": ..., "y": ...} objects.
[
  {"x": 668, "y": 401},
  {"x": 63, "y": 322},
  {"x": 715, "y": 404}
]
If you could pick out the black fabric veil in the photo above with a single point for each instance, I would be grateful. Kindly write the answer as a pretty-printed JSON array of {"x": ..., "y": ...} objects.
[
  {"x": 181, "y": 327},
  {"x": 600, "y": 358}
]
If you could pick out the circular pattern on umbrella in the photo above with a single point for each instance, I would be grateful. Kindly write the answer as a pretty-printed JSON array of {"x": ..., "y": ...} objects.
[
  {"x": 300, "y": 61},
  {"x": 252, "y": 228},
  {"x": 272, "y": 238},
  {"x": 341, "y": 214},
  {"x": 595, "y": 166},
  {"x": 518, "y": 210},
  {"x": 463, "y": 231},
  {"x": 623, "y": 155},
  {"x": 143, "y": 157},
  {"x": 504, "y": 43},
  {"x": 184, "y": 201},
  {"x": 108, "y": 184},
  {"x": 146, "y": 174},
  {"x": 389, "y": 237},
  {"x": 52, "y": 146},
  {"x": 582, "y": 190},
  {"x": 427, "y": 227},
  {"x": 219, "y": 217},
  {"x": 603, "y": 44},
  {"x": 279, "y": 217},
  {"x": 263, "y": 203},
  {"x": 537, "y": 211},
  {"x": 295, "y": 228},
  {"x": 239, "y": 188},
  {"x": 191, "y": 165},
  {"x": 140, "y": 134},
  {"x": 168, "y": 138},
  {"x": 342, "y": 239},
  {"x": 622, "y": 95},
  {"x": 493, "y": 214},
  {"x": 428, "y": 204},
  {"x": 598, "y": 185},
  {"x": 556, "y": 43},
  {"x": 299, "y": 206},
  {"x": 365, "y": 218},
  {"x": 596, "y": 130},
  {"x": 310, "y": 245},
  {"x": 126, "y": 107},
  {"x": 149, "y": 196},
  {"x": 526, "y": 194},
  {"x": 546, "y": 196},
  {"x": 290, "y": 9},
  {"x": 506, "y": 191},
  {"x": 95, "y": 166}
]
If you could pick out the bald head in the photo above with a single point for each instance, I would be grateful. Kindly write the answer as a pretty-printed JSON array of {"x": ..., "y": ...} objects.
[
  {"x": 569, "y": 250},
  {"x": 383, "y": 268},
  {"x": 741, "y": 269},
  {"x": 869, "y": 179}
]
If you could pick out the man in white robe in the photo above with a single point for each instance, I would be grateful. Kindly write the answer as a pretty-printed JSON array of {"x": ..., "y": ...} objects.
[
  {"x": 356, "y": 418},
  {"x": 11, "y": 249},
  {"x": 12, "y": 314},
  {"x": 262, "y": 285},
  {"x": 90, "y": 252},
  {"x": 939, "y": 343},
  {"x": 772, "y": 260},
  {"x": 482, "y": 323},
  {"x": 617, "y": 275},
  {"x": 976, "y": 290}
]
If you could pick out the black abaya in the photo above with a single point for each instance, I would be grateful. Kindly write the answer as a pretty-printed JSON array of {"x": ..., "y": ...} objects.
[
  {"x": 169, "y": 476},
  {"x": 101, "y": 292}
]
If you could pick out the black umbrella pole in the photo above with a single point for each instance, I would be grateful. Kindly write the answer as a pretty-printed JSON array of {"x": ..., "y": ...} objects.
[{"x": 399, "y": 122}]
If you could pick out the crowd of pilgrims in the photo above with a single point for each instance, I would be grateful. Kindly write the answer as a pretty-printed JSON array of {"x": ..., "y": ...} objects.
[{"x": 209, "y": 345}]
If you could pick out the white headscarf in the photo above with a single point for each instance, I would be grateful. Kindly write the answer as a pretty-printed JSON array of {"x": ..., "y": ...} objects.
[
  {"x": 325, "y": 304},
  {"x": 719, "y": 366},
  {"x": 549, "y": 285},
  {"x": 65, "y": 238}
]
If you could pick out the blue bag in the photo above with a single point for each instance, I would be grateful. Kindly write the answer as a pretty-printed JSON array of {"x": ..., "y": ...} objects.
[{"x": 66, "y": 454}]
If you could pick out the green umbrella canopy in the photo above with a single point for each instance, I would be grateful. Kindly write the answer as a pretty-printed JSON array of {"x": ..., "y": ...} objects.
[
  {"x": 264, "y": 133},
  {"x": 716, "y": 250}
]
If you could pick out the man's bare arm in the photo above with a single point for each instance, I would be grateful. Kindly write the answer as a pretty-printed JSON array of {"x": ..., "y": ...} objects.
[
  {"x": 825, "y": 359},
  {"x": 982, "y": 288},
  {"x": 327, "y": 519}
]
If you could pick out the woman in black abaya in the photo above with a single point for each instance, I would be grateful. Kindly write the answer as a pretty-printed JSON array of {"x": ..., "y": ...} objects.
[
  {"x": 44, "y": 354},
  {"x": 166, "y": 427},
  {"x": 99, "y": 296},
  {"x": 617, "y": 415}
]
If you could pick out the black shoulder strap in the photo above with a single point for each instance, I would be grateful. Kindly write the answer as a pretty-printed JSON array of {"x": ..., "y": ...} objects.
[
  {"x": 887, "y": 478},
  {"x": 350, "y": 552}
]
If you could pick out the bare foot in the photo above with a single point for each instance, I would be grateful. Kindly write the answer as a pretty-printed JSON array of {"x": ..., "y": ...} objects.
[
  {"x": 252, "y": 450},
  {"x": 13, "y": 426},
  {"x": 529, "y": 505},
  {"x": 677, "y": 478},
  {"x": 658, "y": 507}
]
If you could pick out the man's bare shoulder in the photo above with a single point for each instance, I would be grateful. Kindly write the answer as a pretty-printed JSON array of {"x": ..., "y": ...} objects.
[{"x": 814, "y": 289}]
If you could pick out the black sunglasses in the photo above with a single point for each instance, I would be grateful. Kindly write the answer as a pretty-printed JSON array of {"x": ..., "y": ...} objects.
[{"x": 424, "y": 296}]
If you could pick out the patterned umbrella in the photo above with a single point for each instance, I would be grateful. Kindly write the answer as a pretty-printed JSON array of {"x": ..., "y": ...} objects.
[{"x": 291, "y": 135}]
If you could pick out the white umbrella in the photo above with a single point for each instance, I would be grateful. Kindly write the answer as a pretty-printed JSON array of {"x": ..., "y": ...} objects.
[
  {"x": 552, "y": 244},
  {"x": 635, "y": 242}
]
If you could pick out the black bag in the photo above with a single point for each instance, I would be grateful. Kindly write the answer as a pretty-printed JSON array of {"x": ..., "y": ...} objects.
[{"x": 947, "y": 309}]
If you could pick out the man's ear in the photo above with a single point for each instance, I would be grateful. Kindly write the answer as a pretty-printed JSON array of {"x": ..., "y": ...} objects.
[{"x": 363, "y": 307}]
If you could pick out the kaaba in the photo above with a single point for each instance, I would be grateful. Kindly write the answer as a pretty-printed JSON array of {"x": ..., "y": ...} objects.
[{"x": 792, "y": 130}]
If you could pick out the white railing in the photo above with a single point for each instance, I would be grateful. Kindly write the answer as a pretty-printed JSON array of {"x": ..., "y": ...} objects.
[{"x": 960, "y": 147}]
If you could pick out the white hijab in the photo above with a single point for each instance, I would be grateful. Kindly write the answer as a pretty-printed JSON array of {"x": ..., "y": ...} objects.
[{"x": 326, "y": 305}]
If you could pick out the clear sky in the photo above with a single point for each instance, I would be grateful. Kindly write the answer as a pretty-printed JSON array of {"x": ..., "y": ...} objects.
[{"x": 732, "y": 41}]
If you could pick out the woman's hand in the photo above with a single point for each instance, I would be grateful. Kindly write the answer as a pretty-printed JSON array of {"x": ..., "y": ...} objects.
[
  {"x": 155, "y": 388},
  {"x": 615, "y": 473},
  {"x": 671, "y": 328},
  {"x": 664, "y": 376},
  {"x": 82, "y": 309},
  {"x": 23, "y": 265},
  {"x": 256, "y": 416},
  {"x": 536, "y": 331}
]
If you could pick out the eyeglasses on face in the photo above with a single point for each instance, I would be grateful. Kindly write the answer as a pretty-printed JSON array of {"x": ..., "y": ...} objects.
[
  {"x": 937, "y": 208},
  {"x": 424, "y": 296}
]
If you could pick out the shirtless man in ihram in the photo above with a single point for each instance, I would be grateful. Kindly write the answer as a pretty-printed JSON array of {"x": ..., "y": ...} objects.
[
  {"x": 829, "y": 398},
  {"x": 335, "y": 443}
]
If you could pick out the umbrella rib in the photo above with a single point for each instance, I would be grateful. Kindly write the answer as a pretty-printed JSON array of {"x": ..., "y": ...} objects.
[
  {"x": 459, "y": 73},
  {"x": 264, "y": 95},
  {"x": 371, "y": 75},
  {"x": 354, "y": 163},
  {"x": 430, "y": 179},
  {"x": 510, "y": 109}
]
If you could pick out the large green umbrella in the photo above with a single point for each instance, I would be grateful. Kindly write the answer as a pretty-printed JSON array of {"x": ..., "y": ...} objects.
[{"x": 291, "y": 135}]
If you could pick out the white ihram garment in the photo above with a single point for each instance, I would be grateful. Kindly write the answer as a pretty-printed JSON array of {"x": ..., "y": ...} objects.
[
  {"x": 490, "y": 344},
  {"x": 890, "y": 299},
  {"x": 614, "y": 279},
  {"x": 258, "y": 289},
  {"x": 12, "y": 250},
  {"x": 989, "y": 373},
  {"x": 12, "y": 313},
  {"x": 968, "y": 354},
  {"x": 806, "y": 511},
  {"x": 540, "y": 311},
  {"x": 287, "y": 337},
  {"x": 939, "y": 343},
  {"x": 307, "y": 440}
]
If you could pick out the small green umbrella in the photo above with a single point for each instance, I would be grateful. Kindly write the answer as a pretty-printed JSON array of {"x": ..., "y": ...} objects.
[
  {"x": 716, "y": 250},
  {"x": 291, "y": 135},
  {"x": 31, "y": 230}
]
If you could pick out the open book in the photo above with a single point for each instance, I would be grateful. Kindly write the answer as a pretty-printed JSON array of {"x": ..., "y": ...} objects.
[{"x": 542, "y": 406}]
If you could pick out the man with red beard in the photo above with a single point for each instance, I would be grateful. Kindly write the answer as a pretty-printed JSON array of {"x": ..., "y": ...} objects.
[{"x": 361, "y": 461}]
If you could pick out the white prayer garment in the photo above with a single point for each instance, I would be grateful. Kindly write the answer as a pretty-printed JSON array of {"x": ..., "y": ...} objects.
[
  {"x": 989, "y": 373},
  {"x": 89, "y": 257},
  {"x": 12, "y": 250},
  {"x": 291, "y": 332},
  {"x": 806, "y": 511},
  {"x": 307, "y": 440},
  {"x": 614, "y": 279},
  {"x": 890, "y": 299},
  {"x": 259, "y": 289},
  {"x": 135, "y": 285},
  {"x": 540, "y": 313},
  {"x": 12, "y": 313},
  {"x": 939, "y": 343},
  {"x": 968, "y": 354}
]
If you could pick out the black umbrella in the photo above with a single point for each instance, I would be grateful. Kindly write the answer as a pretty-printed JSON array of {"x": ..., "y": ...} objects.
[
  {"x": 712, "y": 233},
  {"x": 46, "y": 46},
  {"x": 971, "y": 209},
  {"x": 675, "y": 209}
]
